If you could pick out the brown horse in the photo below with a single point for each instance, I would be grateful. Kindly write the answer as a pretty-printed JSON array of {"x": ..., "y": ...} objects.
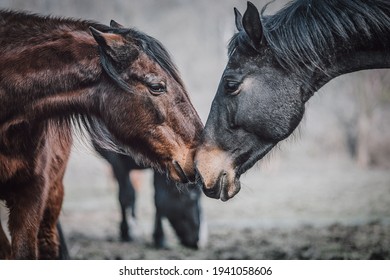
[{"x": 119, "y": 84}]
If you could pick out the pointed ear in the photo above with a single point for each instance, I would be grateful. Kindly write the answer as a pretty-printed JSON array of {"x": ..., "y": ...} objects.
[
  {"x": 114, "y": 24},
  {"x": 107, "y": 41},
  {"x": 116, "y": 53},
  {"x": 238, "y": 17},
  {"x": 114, "y": 45},
  {"x": 252, "y": 25}
]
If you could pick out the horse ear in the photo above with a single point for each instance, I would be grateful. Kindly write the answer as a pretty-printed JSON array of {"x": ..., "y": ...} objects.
[
  {"x": 107, "y": 41},
  {"x": 114, "y": 24},
  {"x": 114, "y": 46},
  {"x": 116, "y": 55},
  {"x": 252, "y": 25},
  {"x": 238, "y": 17}
]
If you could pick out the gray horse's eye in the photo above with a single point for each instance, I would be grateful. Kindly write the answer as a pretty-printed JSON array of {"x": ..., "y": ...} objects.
[{"x": 231, "y": 87}]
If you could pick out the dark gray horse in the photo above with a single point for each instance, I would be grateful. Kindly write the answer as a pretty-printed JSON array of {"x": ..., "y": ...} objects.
[
  {"x": 179, "y": 204},
  {"x": 276, "y": 63}
]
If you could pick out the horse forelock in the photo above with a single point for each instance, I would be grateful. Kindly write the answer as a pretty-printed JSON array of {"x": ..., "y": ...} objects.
[
  {"x": 158, "y": 53},
  {"x": 303, "y": 34}
]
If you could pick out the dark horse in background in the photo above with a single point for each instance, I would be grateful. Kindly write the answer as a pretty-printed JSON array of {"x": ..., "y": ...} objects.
[
  {"x": 276, "y": 63},
  {"x": 179, "y": 204},
  {"x": 119, "y": 84}
]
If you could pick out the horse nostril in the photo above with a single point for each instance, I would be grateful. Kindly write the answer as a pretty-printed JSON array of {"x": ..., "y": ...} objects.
[{"x": 180, "y": 172}]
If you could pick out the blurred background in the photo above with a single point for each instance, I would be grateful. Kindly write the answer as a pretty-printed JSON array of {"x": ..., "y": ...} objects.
[{"x": 323, "y": 193}]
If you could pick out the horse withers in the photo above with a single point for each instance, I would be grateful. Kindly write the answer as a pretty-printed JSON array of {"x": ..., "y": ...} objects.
[
  {"x": 276, "y": 63},
  {"x": 180, "y": 204},
  {"x": 119, "y": 84}
]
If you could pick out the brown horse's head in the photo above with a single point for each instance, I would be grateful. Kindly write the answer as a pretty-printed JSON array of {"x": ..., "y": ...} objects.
[{"x": 149, "y": 112}]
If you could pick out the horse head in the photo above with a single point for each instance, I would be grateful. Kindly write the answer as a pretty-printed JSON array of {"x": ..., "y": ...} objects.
[
  {"x": 150, "y": 112},
  {"x": 275, "y": 65},
  {"x": 257, "y": 104}
]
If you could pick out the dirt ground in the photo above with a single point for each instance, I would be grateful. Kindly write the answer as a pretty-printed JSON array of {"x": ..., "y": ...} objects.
[
  {"x": 287, "y": 209},
  {"x": 339, "y": 242}
]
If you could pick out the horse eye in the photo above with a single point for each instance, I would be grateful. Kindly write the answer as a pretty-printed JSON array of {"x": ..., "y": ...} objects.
[
  {"x": 157, "y": 88},
  {"x": 231, "y": 86}
]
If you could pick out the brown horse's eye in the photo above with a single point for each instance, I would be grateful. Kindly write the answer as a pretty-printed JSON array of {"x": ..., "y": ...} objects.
[{"x": 157, "y": 88}]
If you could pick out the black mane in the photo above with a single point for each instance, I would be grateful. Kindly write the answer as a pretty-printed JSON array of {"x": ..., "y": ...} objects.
[{"x": 303, "y": 33}]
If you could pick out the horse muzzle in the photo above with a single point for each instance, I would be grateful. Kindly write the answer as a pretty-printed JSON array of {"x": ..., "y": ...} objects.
[
  {"x": 215, "y": 174},
  {"x": 182, "y": 169}
]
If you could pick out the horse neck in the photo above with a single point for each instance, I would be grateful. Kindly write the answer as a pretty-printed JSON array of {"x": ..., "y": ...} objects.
[
  {"x": 48, "y": 76},
  {"x": 362, "y": 58}
]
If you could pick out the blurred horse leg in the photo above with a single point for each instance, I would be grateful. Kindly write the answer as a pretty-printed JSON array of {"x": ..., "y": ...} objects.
[
  {"x": 48, "y": 236},
  {"x": 64, "y": 253},
  {"x": 158, "y": 233},
  {"x": 126, "y": 197},
  {"x": 25, "y": 216},
  {"x": 5, "y": 247},
  {"x": 32, "y": 190},
  {"x": 126, "y": 201},
  {"x": 121, "y": 168}
]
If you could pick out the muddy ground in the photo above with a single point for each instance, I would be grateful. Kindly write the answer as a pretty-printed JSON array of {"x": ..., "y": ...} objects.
[
  {"x": 287, "y": 209},
  {"x": 368, "y": 242}
]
